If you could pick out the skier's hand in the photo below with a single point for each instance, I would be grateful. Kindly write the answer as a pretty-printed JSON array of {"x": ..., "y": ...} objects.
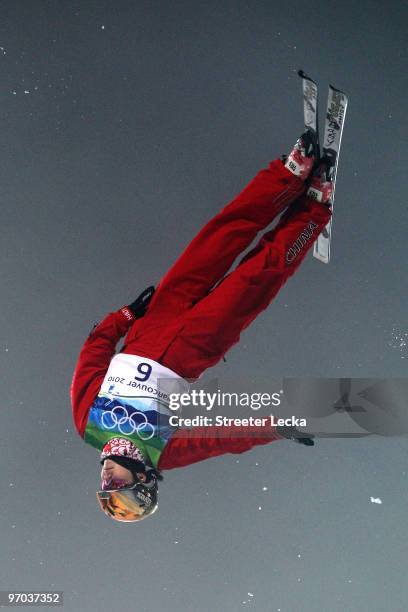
[
  {"x": 291, "y": 433},
  {"x": 305, "y": 441},
  {"x": 139, "y": 306}
]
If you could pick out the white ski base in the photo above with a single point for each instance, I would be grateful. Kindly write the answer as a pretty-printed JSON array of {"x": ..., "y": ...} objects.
[{"x": 321, "y": 248}]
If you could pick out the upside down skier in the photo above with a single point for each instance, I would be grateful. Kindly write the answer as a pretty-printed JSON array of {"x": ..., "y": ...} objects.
[{"x": 186, "y": 325}]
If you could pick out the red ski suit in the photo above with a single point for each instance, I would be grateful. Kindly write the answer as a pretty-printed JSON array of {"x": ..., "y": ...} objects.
[{"x": 199, "y": 311}]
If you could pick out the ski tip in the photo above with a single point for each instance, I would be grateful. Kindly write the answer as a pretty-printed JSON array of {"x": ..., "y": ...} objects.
[
  {"x": 338, "y": 90},
  {"x": 303, "y": 75},
  {"x": 343, "y": 95}
]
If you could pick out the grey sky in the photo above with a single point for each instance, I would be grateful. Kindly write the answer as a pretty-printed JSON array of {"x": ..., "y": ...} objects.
[{"x": 125, "y": 127}]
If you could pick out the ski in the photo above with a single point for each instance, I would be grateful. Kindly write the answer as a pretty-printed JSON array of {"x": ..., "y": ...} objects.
[
  {"x": 333, "y": 131},
  {"x": 310, "y": 99}
]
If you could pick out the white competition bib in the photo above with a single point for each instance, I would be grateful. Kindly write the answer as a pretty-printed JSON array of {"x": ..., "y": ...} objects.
[
  {"x": 133, "y": 401},
  {"x": 131, "y": 376}
]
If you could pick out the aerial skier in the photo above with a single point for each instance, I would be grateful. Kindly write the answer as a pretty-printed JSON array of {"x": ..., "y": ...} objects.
[{"x": 195, "y": 315}]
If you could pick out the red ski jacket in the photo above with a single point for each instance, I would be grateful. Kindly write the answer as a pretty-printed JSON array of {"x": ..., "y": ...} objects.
[{"x": 182, "y": 449}]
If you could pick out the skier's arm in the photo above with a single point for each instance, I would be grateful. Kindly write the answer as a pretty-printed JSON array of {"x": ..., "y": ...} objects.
[
  {"x": 97, "y": 353},
  {"x": 189, "y": 446},
  {"x": 94, "y": 360}
]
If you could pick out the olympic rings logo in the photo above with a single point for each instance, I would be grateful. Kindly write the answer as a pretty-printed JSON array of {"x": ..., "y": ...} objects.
[{"x": 119, "y": 417}]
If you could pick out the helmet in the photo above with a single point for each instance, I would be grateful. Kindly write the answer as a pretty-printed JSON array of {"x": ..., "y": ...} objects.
[
  {"x": 119, "y": 500},
  {"x": 131, "y": 503}
]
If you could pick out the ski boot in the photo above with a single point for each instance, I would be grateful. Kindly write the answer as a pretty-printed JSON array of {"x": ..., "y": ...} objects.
[
  {"x": 304, "y": 155},
  {"x": 321, "y": 183}
]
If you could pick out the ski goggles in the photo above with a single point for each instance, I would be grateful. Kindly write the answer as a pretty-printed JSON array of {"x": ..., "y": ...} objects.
[{"x": 127, "y": 504}]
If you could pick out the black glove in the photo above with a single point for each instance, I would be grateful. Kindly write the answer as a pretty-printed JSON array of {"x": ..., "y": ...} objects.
[
  {"x": 291, "y": 433},
  {"x": 139, "y": 306}
]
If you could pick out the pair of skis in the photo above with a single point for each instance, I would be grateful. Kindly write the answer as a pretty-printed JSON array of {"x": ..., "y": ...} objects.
[{"x": 333, "y": 130}]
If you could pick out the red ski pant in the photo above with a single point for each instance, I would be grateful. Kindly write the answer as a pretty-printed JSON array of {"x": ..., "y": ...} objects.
[{"x": 198, "y": 310}]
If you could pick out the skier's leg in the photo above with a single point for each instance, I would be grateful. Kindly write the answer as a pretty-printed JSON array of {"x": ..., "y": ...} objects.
[
  {"x": 212, "y": 252},
  {"x": 210, "y": 255},
  {"x": 214, "y": 324}
]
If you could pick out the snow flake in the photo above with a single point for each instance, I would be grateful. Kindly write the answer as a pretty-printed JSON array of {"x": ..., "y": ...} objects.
[
  {"x": 259, "y": 507},
  {"x": 250, "y": 594},
  {"x": 399, "y": 341},
  {"x": 264, "y": 488},
  {"x": 375, "y": 500}
]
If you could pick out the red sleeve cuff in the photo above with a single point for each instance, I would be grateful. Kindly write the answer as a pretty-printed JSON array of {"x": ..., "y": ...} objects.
[{"x": 127, "y": 313}]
